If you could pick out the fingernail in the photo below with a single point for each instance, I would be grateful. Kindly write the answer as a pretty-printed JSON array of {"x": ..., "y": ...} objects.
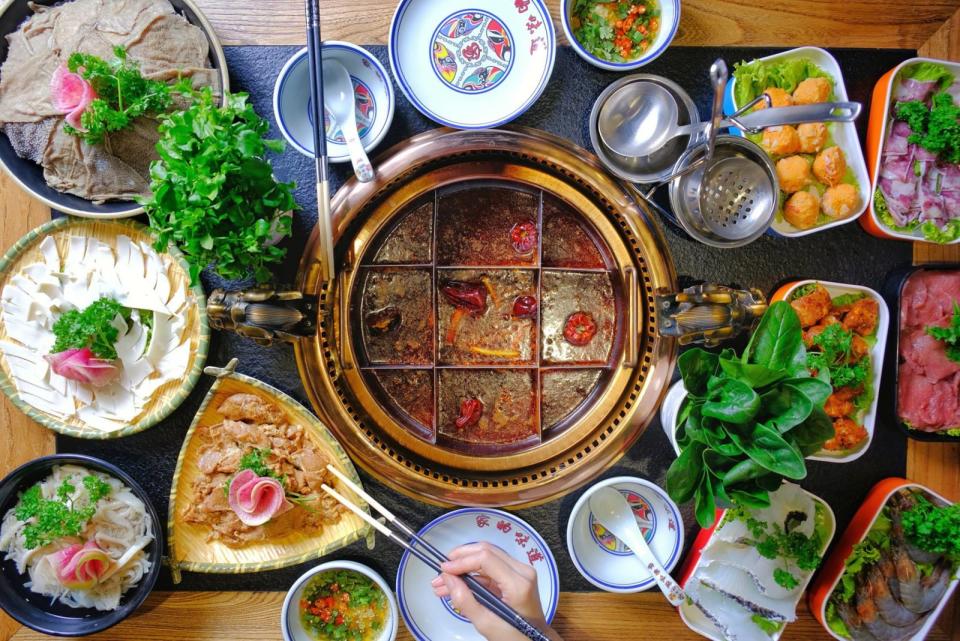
[{"x": 437, "y": 582}]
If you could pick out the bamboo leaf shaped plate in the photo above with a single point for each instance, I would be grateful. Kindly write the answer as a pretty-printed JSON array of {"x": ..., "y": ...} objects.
[
  {"x": 106, "y": 251},
  {"x": 189, "y": 547}
]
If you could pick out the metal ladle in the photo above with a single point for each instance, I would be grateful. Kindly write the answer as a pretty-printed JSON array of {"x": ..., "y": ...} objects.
[{"x": 640, "y": 118}]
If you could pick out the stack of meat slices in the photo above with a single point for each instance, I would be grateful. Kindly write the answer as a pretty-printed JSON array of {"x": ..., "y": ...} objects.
[{"x": 928, "y": 391}]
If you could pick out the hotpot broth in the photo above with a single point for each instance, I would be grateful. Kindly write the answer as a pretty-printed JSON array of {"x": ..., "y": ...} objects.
[{"x": 422, "y": 359}]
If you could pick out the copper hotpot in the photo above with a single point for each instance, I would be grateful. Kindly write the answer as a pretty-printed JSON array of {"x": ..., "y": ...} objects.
[{"x": 653, "y": 319}]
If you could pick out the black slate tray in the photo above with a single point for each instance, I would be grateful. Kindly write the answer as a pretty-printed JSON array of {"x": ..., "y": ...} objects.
[{"x": 843, "y": 254}]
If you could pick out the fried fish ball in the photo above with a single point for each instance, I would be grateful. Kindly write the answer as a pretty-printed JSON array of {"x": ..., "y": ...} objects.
[
  {"x": 802, "y": 210},
  {"x": 780, "y": 141},
  {"x": 778, "y": 98},
  {"x": 830, "y": 165},
  {"x": 840, "y": 201},
  {"x": 813, "y": 135},
  {"x": 812, "y": 90},
  {"x": 794, "y": 173}
]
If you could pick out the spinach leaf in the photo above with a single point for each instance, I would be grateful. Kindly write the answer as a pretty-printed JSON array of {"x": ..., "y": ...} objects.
[
  {"x": 705, "y": 506},
  {"x": 697, "y": 366},
  {"x": 754, "y": 375},
  {"x": 816, "y": 389},
  {"x": 766, "y": 447},
  {"x": 684, "y": 474},
  {"x": 732, "y": 401},
  {"x": 778, "y": 341},
  {"x": 785, "y": 407},
  {"x": 810, "y": 435},
  {"x": 751, "y": 496}
]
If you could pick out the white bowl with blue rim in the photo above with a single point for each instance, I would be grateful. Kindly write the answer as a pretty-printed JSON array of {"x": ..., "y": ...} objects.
[
  {"x": 373, "y": 92},
  {"x": 606, "y": 562},
  {"x": 291, "y": 625},
  {"x": 469, "y": 67},
  {"x": 669, "y": 22},
  {"x": 429, "y": 618}
]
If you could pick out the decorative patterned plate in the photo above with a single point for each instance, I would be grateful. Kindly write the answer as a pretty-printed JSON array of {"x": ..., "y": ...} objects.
[
  {"x": 431, "y": 619},
  {"x": 472, "y": 68},
  {"x": 166, "y": 398},
  {"x": 189, "y": 548}
]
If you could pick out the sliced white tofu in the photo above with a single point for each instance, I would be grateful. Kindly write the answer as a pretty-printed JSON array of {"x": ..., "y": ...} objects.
[
  {"x": 95, "y": 419},
  {"x": 51, "y": 256}
]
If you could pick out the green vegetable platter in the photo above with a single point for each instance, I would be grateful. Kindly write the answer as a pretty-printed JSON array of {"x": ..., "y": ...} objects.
[{"x": 748, "y": 421}]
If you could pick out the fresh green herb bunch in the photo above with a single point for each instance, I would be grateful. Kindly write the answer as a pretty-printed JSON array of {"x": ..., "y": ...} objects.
[
  {"x": 65, "y": 515},
  {"x": 747, "y": 423},
  {"x": 123, "y": 94},
  {"x": 774, "y": 541},
  {"x": 92, "y": 327},
  {"x": 833, "y": 362},
  {"x": 213, "y": 193},
  {"x": 935, "y": 128},
  {"x": 256, "y": 461},
  {"x": 934, "y": 529},
  {"x": 949, "y": 334}
]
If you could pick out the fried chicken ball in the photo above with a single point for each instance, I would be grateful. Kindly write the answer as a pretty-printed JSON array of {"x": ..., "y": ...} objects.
[
  {"x": 802, "y": 210},
  {"x": 780, "y": 141},
  {"x": 812, "y": 90},
  {"x": 813, "y": 135},
  {"x": 840, "y": 201},
  {"x": 794, "y": 173},
  {"x": 830, "y": 166}
]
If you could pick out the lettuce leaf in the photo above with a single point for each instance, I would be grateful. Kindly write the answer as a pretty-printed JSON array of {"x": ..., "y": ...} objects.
[
  {"x": 835, "y": 623},
  {"x": 754, "y": 77},
  {"x": 928, "y": 72}
]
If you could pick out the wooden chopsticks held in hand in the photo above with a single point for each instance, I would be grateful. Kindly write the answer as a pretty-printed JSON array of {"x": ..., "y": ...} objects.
[{"x": 430, "y": 555}]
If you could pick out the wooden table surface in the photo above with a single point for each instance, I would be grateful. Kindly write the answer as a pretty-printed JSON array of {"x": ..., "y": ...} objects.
[{"x": 932, "y": 26}]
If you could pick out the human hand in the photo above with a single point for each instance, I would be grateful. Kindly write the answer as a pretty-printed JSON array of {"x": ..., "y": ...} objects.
[{"x": 512, "y": 581}]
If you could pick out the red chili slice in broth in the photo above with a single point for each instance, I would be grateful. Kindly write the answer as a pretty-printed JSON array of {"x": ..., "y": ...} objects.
[
  {"x": 471, "y": 409},
  {"x": 579, "y": 329},
  {"x": 523, "y": 236}
]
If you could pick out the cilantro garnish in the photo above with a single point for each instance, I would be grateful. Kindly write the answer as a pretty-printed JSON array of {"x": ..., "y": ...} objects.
[
  {"x": 123, "y": 94},
  {"x": 775, "y": 542},
  {"x": 92, "y": 327},
  {"x": 932, "y": 528},
  {"x": 949, "y": 334},
  {"x": 65, "y": 515}
]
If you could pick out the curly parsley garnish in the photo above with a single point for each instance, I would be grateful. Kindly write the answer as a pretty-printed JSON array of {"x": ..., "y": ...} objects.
[
  {"x": 950, "y": 335},
  {"x": 835, "y": 355},
  {"x": 932, "y": 528},
  {"x": 123, "y": 94},
  {"x": 63, "y": 516},
  {"x": 93, "y": 327}
]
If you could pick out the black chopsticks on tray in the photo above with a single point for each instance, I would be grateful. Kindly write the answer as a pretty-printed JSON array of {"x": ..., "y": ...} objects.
[
  {"x": 430, "y": 555},
  {"x": 315, "y": 66}
]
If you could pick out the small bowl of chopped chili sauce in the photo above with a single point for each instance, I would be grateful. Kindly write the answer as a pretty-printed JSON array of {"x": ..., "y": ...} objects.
[
  {"x": 620, "y": 36},
  {"x": 339, "y": 600}
]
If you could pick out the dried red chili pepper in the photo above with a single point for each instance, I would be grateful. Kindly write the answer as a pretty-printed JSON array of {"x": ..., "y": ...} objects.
[
  {"x": 579, "y": 329},
  {"x": 471, "y": 409},
  {"x": 523, "y": 236},
  {"x": 469, "y": 296},
  {"x": 525, "y": 307}
]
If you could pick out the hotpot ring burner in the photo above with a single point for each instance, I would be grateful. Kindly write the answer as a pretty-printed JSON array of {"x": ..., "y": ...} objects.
[{"x": 491, "y": 337}]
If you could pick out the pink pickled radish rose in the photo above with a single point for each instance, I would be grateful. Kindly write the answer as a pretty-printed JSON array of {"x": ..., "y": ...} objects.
[
  {"x": 71, "y": 94},
  {"x": 81, "y": 365},
  {"x": 257, "y": 499},
  {"x": 80, "y": 567}
]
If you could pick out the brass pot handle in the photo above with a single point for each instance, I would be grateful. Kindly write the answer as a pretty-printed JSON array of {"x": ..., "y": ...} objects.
[
  {"x": 708, "y": 313},
  {"x": 630, "y": 355},
  {"x": 264, "y": 314}
]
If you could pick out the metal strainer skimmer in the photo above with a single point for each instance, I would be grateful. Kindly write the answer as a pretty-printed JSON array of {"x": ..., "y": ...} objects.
[{"x": 730, "y": 201}]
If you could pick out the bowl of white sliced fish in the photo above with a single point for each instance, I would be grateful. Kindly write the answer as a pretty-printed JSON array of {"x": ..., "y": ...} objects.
[
  {"x": 101, "y": 335},
  {"x": 744, "y": 577}
]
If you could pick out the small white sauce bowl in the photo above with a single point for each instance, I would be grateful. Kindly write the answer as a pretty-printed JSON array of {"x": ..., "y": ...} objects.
[
  {"x": 606, "y": 562},
  {"x": 290, "y": 624},
  {"x": 373, "y": 92},
  {"x": 669, "y": 21}
]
